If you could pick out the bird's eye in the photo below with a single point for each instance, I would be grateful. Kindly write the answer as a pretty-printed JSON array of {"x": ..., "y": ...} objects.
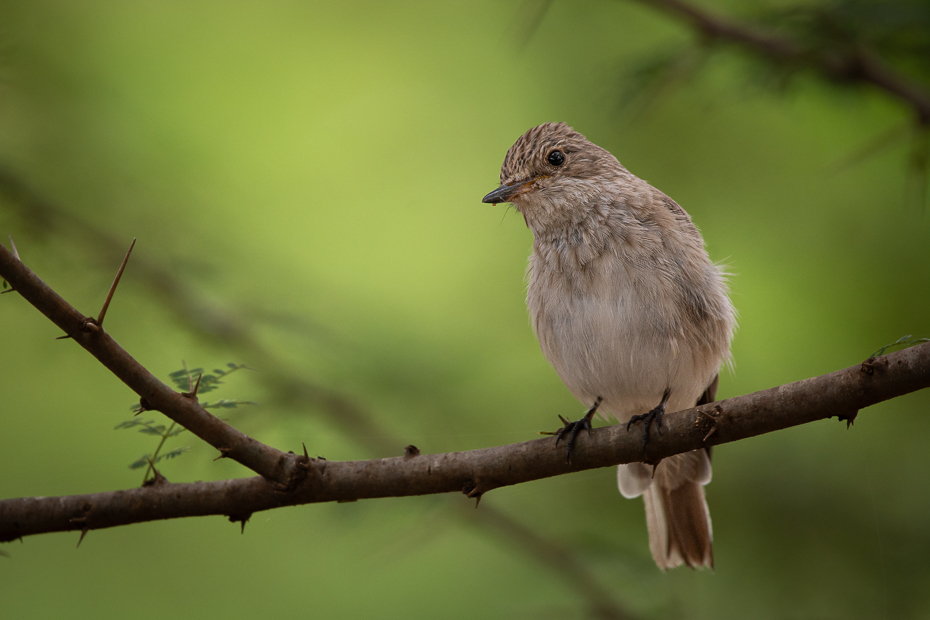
[{"x": 556, "y": 158}]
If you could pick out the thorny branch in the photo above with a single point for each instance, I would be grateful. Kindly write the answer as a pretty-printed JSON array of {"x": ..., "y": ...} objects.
[
  {"x": 841, "y": 394},
  {"x": 216, "y": 322}
]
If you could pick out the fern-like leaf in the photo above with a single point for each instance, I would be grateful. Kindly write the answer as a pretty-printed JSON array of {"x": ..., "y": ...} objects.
[{"x": 142, "y": 462}]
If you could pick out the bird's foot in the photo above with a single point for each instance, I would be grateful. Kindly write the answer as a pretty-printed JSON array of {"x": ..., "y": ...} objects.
[
  {"x": 571, "y": 429},
  {"x": 648, "y": 418}
]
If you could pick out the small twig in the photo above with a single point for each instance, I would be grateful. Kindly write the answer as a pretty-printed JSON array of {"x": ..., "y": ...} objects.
[
  {"x": 119, "y": 274},
  {"x": 151, "y": 467}
]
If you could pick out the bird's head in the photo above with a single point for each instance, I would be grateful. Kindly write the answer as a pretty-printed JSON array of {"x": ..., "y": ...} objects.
[{"x": 553, "y": 168}]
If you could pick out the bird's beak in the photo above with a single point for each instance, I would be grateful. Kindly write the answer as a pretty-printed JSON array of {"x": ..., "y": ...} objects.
[{"x": 506, "y": 193}]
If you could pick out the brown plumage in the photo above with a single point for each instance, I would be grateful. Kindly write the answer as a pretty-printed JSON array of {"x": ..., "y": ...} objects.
[{"x": 626, "y": 305}]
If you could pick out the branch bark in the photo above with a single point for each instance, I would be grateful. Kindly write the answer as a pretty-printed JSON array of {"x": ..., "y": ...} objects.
[{"x": 842, "y": 393}]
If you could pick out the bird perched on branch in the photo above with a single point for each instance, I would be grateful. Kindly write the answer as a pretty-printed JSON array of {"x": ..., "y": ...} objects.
[{"x": 629, "y": 310}]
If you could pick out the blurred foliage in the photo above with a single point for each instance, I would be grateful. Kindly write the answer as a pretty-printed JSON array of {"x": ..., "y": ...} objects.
[
  {"x": 305, "y": 180},
  {"x": 898, "y": 31}
]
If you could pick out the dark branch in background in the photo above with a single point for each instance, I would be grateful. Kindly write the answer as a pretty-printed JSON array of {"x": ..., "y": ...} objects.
[
  {"x": 855, "y": 65},
  {"x": 839, "y": 394},
  {"x": 838, "y": 42},
  {"x": 844, "y": 43},
  {"x": 555, "y": 556},
  {"x": 218, "y": 324}
]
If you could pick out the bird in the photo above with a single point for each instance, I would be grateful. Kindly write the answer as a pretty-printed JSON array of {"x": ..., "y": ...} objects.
[{"x": 630, "y": 311}]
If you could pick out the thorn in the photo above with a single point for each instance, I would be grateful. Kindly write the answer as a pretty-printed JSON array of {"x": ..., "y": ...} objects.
[
  {"x": 224, "y": 453},
  {"x": 710, "y": 416},
  {"x": 65, "y": 337},
  {"x": 241, "y": 519},
  {"x": 473, "y": 492},
  {"x": 411, "y": 451},
  {"x": 13, "y": 246},
  {"x": 711, "y": 432},
  {"x": 850, "y": 418},
  {"x": 81, "y": 539},
  {"x": 119, "y": 274},
  {"x": 196, "y": 387},
  {"x": 306, "y": 456}
]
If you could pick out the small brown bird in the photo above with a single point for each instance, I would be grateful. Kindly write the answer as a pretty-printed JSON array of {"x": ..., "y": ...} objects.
[{"x": 629, "y": 310}]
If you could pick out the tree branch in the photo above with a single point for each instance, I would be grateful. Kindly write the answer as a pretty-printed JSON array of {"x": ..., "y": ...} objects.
[
  {"x": 841, "y": 393},
  {"x": 284, "y": 469},
  {"x": 858, "y": 65},
  {"x": 216, "y": 322}
]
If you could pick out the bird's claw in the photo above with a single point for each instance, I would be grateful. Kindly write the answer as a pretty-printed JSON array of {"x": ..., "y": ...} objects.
[
  {"x": 655, "y": 415},
  {"x": 571, "y": 429}
]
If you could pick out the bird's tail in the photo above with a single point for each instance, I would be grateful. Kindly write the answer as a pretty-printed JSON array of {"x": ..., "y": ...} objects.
[{"x": 676, "y": 511}]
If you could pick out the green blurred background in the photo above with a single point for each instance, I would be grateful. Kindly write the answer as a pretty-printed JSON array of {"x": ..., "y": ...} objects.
[{"x": 304, "y": 180}]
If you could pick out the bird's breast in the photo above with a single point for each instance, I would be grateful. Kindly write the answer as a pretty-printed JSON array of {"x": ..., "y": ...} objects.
[{"x": 609, "y": 334}]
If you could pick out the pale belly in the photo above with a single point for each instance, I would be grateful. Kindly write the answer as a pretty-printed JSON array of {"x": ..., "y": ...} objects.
[{"x": 614, "y": 345}]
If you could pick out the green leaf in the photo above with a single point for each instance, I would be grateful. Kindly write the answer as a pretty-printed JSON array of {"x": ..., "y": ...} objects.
[
  {"x": 175, "y": 453},
  {"x": 142, "y": 462},
  {"x": 153, "y": 430},
  {"x": 130, "y": 423},
  {"x": 228, "y": 404},
  {"x": 903, "y": 341}
]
